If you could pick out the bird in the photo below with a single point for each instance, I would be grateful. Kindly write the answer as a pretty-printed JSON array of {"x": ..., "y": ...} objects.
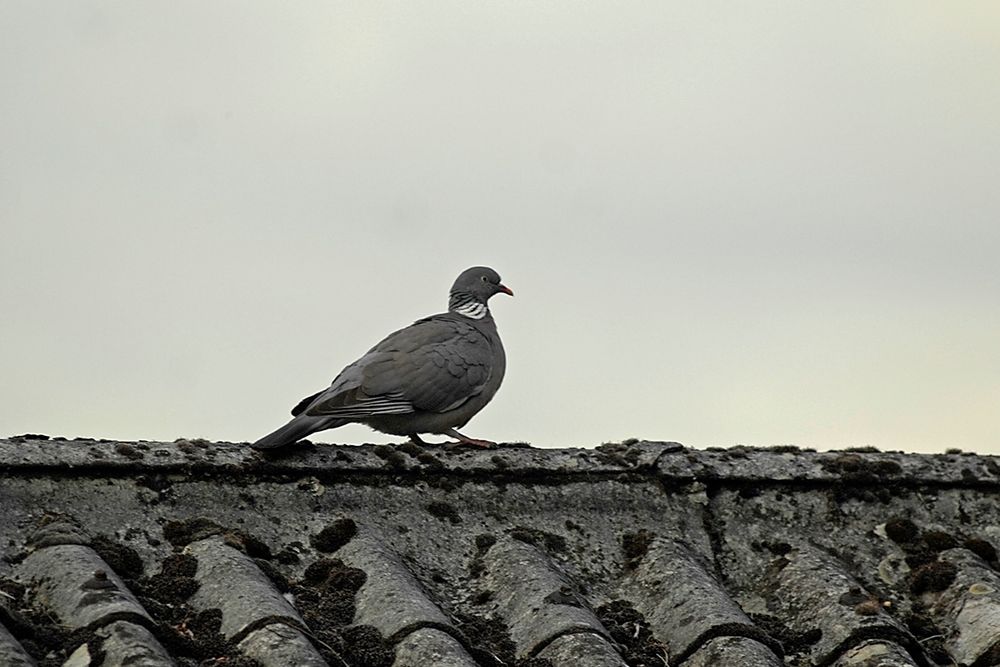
[{"x": 430, "y": 377}]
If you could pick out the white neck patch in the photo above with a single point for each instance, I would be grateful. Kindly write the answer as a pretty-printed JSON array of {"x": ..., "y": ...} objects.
[{"x": 472, "y": 309}]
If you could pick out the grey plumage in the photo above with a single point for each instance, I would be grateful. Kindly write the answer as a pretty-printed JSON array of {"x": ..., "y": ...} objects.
[{"x": 431, "y": 377}]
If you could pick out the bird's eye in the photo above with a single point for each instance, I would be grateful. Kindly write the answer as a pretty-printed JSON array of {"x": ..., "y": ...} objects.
[{"x": 485, "y": 279}]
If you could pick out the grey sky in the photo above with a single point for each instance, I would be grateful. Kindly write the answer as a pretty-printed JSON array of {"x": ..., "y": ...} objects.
[{"x": 725, "y": 223}]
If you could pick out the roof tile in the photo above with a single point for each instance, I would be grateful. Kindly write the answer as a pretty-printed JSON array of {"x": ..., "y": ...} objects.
[
  {"x": 733, "y": 651},
  {"x": 430, "y": 646},
  {"x": 229, "y": 580},
  {"x": 808, "y": 588},
  {"x": 968, "y": 610},
  {"x": 681, "y": 599},
  {"x": 538, "y": 601},
  {"x": 254, "y": 613},
  {"x": 280, "y": 645},
  {"x": 391, "y": 599},
  {"x": 581, "y": 649},
  {"x": 11, "y": 651},
  {"x": 876, "y": 653},
  {"x": 126, "y": 643},
  {"x": 78, "y": 586}
]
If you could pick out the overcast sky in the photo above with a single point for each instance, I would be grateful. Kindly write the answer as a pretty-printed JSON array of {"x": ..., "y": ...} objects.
[{"x": 761, "y": 223}]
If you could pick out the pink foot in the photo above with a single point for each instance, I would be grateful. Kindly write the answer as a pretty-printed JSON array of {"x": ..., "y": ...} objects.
[{"x": 466, "y": 440}]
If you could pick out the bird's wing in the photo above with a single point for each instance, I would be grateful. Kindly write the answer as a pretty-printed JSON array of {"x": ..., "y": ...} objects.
[
  {"x": 301, "y": 406},
  {"x": 434, "y": 365}
]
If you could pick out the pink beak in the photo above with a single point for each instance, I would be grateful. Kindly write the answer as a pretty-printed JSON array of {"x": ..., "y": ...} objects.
[{"x": 506, "y": 290}]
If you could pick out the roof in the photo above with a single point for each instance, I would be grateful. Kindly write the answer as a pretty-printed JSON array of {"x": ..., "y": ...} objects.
[{"x": 635, "y": 553}]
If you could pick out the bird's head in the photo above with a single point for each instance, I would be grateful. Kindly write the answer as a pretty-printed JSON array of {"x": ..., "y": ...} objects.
[{"x": 479, "y": 282}]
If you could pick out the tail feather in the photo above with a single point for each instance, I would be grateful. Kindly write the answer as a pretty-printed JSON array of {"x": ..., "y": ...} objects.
[{"x": 295, "y": 430}]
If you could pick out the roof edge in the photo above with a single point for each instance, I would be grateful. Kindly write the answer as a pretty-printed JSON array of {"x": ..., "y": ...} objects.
[{"x": 35, "y": 454}]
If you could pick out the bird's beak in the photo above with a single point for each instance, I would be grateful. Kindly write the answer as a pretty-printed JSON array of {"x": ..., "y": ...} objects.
[{"x": 506, "y": 290}]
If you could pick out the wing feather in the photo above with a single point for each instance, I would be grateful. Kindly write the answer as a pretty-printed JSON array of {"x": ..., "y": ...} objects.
[{"x": 434, "y": 365}]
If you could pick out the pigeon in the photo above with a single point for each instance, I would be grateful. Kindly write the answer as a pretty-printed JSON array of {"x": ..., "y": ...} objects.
[{"x": 430, "y": 377}]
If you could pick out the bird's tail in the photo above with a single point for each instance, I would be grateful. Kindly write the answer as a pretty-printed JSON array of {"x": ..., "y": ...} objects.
[{"x": 295, "y": 430}]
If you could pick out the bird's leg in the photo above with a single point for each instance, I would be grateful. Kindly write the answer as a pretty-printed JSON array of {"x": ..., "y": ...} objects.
[
  {"x": 465, "y": 440},
  {"x": 415, "y": 439}
]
